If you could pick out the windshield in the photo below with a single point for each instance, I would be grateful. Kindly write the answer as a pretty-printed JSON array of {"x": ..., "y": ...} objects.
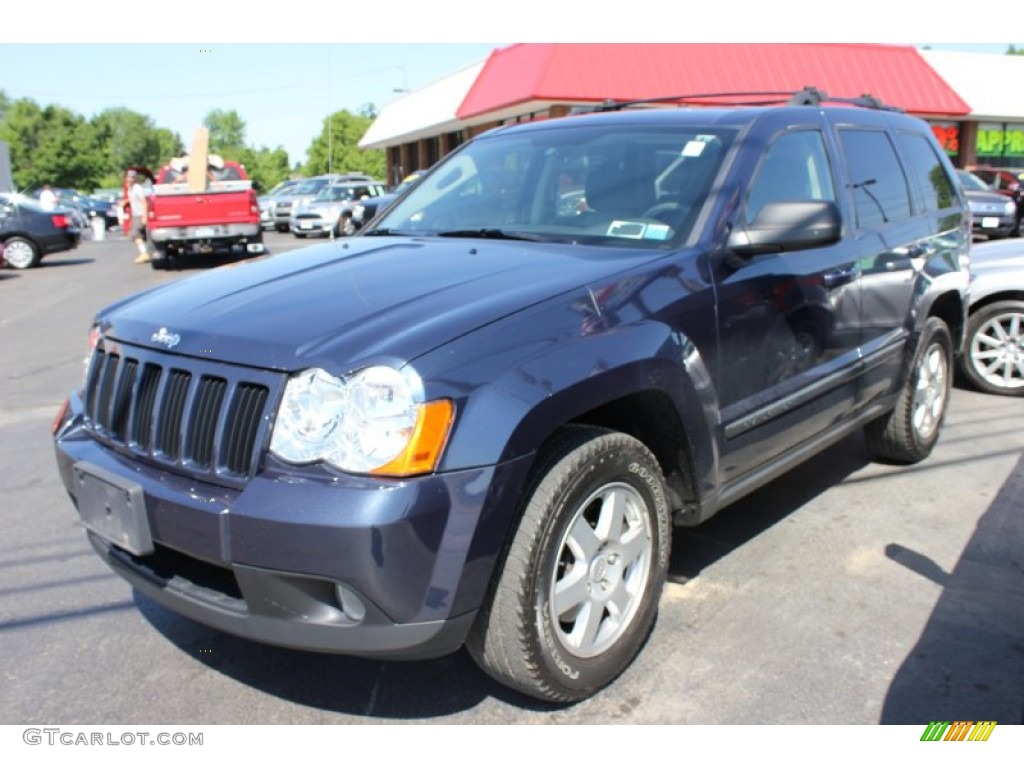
[
  {"x": 337, "y": 192},
  {"x": 308, "y": 187},
  {"x": 605, "y": 185},
  {"x": 970, "y": 181}
]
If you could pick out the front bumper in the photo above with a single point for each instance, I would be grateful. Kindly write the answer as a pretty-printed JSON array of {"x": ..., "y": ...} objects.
[
  {"x": 309, "y": 225},
  {"x": 307, "y": 558}
]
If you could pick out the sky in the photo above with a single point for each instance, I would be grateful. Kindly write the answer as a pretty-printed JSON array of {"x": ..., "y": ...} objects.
[{"x": 283, "y": 78}]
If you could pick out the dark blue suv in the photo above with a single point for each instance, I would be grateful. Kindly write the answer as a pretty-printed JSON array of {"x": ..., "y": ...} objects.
[{"x": 478, "y": 421}]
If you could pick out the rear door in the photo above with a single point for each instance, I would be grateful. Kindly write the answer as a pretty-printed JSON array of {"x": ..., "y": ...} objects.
[{"x": 905, "y": 218}]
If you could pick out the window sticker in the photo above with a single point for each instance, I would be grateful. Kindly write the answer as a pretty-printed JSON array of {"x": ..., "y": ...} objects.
[
  {"x": 694, "y": 148},
  {"x": 631, "y": 229},
  {"x": 657, "y": 232}
]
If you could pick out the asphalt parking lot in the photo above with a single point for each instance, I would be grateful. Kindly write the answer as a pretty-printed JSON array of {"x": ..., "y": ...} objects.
[{"x": 846, "y": 592}]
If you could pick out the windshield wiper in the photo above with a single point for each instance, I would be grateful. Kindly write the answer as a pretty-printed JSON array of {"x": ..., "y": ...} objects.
[
  {"x": 382, "y": 232},
  {"x": 491, "y": 234}
]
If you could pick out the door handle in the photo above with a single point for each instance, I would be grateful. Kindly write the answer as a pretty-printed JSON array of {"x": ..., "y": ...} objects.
[{"x": 840, "y": 277}]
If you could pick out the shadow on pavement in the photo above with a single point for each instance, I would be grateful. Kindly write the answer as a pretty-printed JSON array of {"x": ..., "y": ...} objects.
[
  {"x": 695, "y": 549},
  {"x": 968, "y": 663},
  {"x": 365, "y": 687}
]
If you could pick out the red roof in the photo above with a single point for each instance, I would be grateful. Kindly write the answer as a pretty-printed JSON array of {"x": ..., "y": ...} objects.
[{"x": 592, "y": 72}]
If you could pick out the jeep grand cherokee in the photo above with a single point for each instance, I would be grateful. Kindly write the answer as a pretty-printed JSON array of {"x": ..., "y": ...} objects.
[{"x": 478, "y": 421}]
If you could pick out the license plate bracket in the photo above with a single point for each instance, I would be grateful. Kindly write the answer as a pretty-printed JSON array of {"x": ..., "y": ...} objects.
[
  {"x": 113, "y": 507},
  {"x": 989, "y": 222}
]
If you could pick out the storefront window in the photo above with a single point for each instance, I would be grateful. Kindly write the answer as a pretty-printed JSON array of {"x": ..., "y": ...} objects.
[
  {"x": 1001, "y": 144},
  {"x": 948, "y": 136}
]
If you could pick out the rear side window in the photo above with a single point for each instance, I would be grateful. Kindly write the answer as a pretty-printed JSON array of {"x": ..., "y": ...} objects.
[
  {"x": 927, "y": 172},
  {"x": 879, "y": 187}
]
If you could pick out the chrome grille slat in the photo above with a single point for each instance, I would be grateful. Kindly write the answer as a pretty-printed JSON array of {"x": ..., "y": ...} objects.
[{"x": 201, "y": 418}]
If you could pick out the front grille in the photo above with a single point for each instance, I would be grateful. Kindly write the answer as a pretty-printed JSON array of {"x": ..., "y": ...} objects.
[{"x": 205, "y": 419}]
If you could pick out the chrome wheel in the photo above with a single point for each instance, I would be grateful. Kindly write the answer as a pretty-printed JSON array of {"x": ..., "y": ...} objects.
[
  {"x": 577, "y": 593},
  {"x": 602, "y": 570},
  {"x": 929, "y": 402},
  {"x": 908, "y": 432},
  {"x": 997, "y": 350},
  {"x": 20, "y": 253}
]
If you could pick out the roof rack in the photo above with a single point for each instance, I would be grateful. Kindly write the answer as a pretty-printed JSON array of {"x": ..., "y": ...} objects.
[{"x": 808, "y": 96}]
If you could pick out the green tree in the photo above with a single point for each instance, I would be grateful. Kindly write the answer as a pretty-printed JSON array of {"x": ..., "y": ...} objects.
[
  {"x": 50, "y": 145},
  {"x": 126, "y": 138},
  {"x": 1014, "y": 50},
  {"x": 227, "y": 133},
  {"x": 336, "y": 148},
  {"x": 266, "y": 167},
  {"x": 169, "y": 144}
]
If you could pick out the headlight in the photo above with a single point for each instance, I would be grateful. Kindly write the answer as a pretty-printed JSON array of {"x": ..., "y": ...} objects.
[
  {"x": 369, "y": 423},
  {"x": 1010, "y": 208}
]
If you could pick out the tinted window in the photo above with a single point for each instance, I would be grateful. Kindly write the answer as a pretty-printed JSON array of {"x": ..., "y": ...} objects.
[
  {"x": 927, "y": 172},
  {"x": 795, "y": 167},
  {"x": 879, "y": 186}
]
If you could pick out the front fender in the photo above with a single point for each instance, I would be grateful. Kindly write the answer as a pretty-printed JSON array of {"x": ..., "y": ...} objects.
[{"x": 513, "y": 395}]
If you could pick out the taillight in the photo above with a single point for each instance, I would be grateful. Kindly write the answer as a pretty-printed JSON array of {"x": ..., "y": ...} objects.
[{"x": 59, "y": 220}]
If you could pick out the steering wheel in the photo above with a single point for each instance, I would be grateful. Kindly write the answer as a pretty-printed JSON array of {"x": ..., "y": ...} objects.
[{"x": 657, "y": 210}]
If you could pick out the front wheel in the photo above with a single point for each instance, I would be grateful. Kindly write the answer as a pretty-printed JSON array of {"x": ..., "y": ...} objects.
[
  {"x": 579, "y": 590},
  {"x": 909, "y": 432},
  {"x": 993, "y": 358}
]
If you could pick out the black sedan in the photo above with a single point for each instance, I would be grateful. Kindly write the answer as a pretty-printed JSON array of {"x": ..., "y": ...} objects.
[{"x": 28, "y": 231}]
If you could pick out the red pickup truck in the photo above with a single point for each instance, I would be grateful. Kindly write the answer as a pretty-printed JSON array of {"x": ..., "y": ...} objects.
[{"x": 224, "y": 216}]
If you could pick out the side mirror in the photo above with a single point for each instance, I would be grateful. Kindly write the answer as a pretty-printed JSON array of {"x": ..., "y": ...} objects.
[{"x": 788, "y": 226}]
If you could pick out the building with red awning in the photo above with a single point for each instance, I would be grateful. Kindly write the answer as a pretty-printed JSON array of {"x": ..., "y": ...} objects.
[{"x": 539, "y": 81}]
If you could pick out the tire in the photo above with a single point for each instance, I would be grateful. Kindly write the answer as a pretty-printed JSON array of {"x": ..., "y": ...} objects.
[
  {"x": 993, "y": 359},
  {"x": 300, "y": 236},
  {"x": 21, "y": 253},
  {"x": 908, "y": 433},
  {"x": 348, "y": 227},
  {"x": 160, "y": 259},
  {"x": 573, "y": 604}
]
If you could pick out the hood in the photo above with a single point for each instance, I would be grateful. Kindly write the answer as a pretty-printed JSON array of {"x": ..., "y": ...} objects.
[
  {"x": 997, "y": 266},
  {"x": 343, "y": 305},
  {"x": 998, "y": 255},
  {"x": 987, "y": 201}
]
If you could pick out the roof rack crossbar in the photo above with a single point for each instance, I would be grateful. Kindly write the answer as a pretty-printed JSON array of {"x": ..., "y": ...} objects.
[{"x": 807, "y": 96}]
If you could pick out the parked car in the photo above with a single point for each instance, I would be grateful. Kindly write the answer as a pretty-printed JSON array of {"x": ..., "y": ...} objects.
[
  {"x": 305, "y": 191},
  {"x": 29, "y": 232},
  {"x": 360, "y": 214},
  {"x": 1008, "y": 182},
  {"x": 993, "y": 215},
  {"x": 993, "y": 359},
  {"x": 477, "y": 422},
  {"x": 267, "y": 201},
  {"x": 326, "y": 213}
]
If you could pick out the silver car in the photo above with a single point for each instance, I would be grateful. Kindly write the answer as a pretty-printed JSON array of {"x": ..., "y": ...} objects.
[
  {"x": 322, "y": 215},
  {"x": 304, "y": 192},
  {"x": 993, "y": 356},
  {"x": 992, "y": 214}
]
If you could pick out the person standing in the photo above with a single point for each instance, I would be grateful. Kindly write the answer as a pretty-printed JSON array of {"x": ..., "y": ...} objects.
[
  {"x": 48, "y": 198},
  {"x": 139, "y": 209}
]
